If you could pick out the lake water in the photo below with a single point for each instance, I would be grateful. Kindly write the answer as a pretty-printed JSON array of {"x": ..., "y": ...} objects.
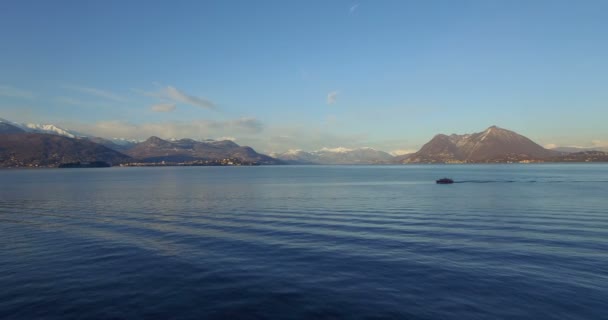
[{"x": 322, "y": 242}]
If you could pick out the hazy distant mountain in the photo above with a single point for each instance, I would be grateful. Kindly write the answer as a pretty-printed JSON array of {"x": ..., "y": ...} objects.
[
  {"x": 492, "y": 145},
  {"x": 36, "y": 149},
  {"x": 584, "y": 156},
  {"x": 121, "y": 145},
  {"x": 155, "y": 150},
  {"x": 336, "y": 156},
  {"x": 578, "y": 149}
]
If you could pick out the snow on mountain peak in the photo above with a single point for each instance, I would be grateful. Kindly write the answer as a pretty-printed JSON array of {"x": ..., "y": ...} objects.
[
  {"x": 49, "y": 128},
  {"x": 293, "y": 151},
  {"x": 337, "y": 150}
]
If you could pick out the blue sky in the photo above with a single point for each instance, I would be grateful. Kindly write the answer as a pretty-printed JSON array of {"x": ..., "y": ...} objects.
[{"x": 280, "y": 75}]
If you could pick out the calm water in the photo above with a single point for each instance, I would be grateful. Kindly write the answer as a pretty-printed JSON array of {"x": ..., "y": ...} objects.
[{"x": 508, "y": 242}]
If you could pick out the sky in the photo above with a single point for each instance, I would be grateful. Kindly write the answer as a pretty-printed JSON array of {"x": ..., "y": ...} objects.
[{"x": 280, "y": 75}]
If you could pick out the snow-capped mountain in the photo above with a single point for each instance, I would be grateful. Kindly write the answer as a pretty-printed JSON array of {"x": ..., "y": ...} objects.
[
  {"x": 44, "y": 128},
  {"x": 339, "y": 155},
  {"x": 50, "y": 129}
]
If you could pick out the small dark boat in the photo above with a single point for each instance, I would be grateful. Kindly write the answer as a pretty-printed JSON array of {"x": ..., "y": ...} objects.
[{"x": 445, "y": 181}]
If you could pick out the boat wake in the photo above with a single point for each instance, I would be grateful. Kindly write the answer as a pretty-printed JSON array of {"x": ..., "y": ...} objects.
[{"x": 528, "y": 181}]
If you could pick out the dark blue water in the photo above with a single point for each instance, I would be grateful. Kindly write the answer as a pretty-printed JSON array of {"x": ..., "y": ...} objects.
[{"x": 506, "y": 242}]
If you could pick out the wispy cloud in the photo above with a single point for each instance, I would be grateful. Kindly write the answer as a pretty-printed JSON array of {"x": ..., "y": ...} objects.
[
  {"x": 249, "y": 123},
  {"x": 241, "y": 127},
  {"x": 163, "y": 107},
  {"x": 96, "y": 92},
  {"x": 179, "y": 96},
  {"x": 98, "y": 104},
  {"x": 353, "y": 8},
  {"x": 174, "y": 95},
  {"x": 332, "y": 97},
  {"x": 9, "y": 91}
]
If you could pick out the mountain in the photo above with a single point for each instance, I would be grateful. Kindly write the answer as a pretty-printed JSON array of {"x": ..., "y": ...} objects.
[
  {"x": 50, "y": 129},
  {"x": 120, "y": 145},
  {"x": 42, "y": 128},
  {"x": 295, "y": 156},
  {"x": 336, "y": 156},
  {"x": 186, "y": 150},
  {"x": 46, "y": 150},
  {"x": 7, "y": 128},
  {"x": 492, "y": 145}
]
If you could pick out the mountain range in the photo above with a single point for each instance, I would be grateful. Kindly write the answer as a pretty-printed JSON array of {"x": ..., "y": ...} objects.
[
  {"x": 336, "y": 156},
  {"x": 50, "y": 145},
  {"x": 186, "y": 150},
  {"x": 41, "y": 128},
  {"x": 23, "y": 149},
  {"x": 30, "y": 145}
]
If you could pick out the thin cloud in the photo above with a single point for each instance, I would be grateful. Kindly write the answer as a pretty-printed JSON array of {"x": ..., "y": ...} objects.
[
  {"x": 249, "y": 123},
  {"x": 332, "y": 97},
  {"x": 353, "y": 8},
  {"x": 8, "y": 91},
  {"x": 179, "y": 96},
  {"x": 96, "y": 92},
  {"x": 88, "y": 103},
  {"x": 237, "y": 128},
  {"x": 163, "y": 107},
  {"x": 174, "y": 95}
]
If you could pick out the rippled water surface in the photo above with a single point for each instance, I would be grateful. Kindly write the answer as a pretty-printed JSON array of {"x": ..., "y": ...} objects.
[{"x": 505, "y": 242}]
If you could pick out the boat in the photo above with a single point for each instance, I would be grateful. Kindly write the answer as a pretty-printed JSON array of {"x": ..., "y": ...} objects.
[{"x": 444, "y": 181}]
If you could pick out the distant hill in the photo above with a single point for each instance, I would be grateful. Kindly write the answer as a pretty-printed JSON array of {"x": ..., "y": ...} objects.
[
  {"x": 36, "y": 149},
  {"x": 156, "y": 150},
  {"x": 336, "y": 156},
  {"x": 492, "y": 145},
  {"x": 579, "y": 149},
  {"x": 584, "y": 156}
]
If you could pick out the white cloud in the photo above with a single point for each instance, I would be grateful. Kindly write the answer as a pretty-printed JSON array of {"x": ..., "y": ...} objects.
[
  {"x": 332, "y": 97},
  {"x": 400, "y": 152},
  {"x": 353, "y": 8},
  {"x": 96, "y": 92},
  {"x": 8, "y": 91},
  {"x": 163, "y": 107},
  {"x": 226, "y": 138},
  {"x": 550, "y": 146}
]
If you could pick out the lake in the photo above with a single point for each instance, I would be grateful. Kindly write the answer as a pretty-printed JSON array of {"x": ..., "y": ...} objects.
[{"x": 315, "y": 242}]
